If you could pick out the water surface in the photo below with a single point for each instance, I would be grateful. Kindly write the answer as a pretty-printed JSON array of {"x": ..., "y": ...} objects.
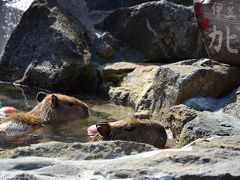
[{"x": 23, "y": 98}]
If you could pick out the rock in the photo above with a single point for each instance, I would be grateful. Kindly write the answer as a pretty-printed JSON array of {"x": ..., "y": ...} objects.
[
  {"x": 115, "y": 72},
  {"x": 142, "y": 114},
  {"x": 108, "y": 5},
  {"x": 21, "y": 176},
  {"x": 228, "y": 104},
  {"x": 98, "y": 16},
  {"x": 77, "y": 151},
  {"x": 50, "y": 48},
  {"x": 233, "y": 106},
  {"x": 107, "y": 46},
  {"x": 215, "y": 158},
  {"x": 9, "y": 18},
  {"x": 106, "y": 51},
  {"x": 100, "y": 9},
  {"x": 132, "y": 83},
  {"x": 183, "y": 2},
  {"x": 162, "y": 31},
  {"x": 175, "y": 83},
  {"x": 204, "y": 103},
  {"x": 177, "y": 117},
  {"x": 208, "y": 124}
]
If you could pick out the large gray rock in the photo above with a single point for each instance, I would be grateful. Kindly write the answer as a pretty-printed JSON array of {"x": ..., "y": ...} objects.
[
  {"x": 205, "y": 159},
  {"x": 50, "y": 47},
  {"x": 233, "y": 106},
  {"x": 107, "y": 46},
  {"x": 77, "y": 151},
  {"x": 183, "y": 2},
  {"x": 115, "y": 72},
  {"x": 208, "y": 124},
  {"x": 108, "y": 49},
  {"x": 162, "y": 31},
  {"x": 130, "y": 83},
  {"x": 175, "y": 83},
  {"x": 9, "y": 18},
  {"x": 228, "y": 104},
  {"x": 177, "y": 117},
  {"x": 100, "y": 9},
  {"x": 107, "y": 5}
]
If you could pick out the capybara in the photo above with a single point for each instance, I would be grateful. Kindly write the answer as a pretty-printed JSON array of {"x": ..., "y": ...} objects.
[
  {"x": 51, "y": 108},
  {"x": 149, "y": 132}
]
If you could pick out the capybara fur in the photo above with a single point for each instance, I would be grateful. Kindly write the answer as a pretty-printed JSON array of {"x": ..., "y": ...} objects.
[
  {"x": 51, "y": 109},
  {"x": 149, "y": 132}
]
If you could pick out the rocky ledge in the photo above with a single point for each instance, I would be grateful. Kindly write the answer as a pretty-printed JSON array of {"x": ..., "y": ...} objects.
[{"x": 214, "y": 158}]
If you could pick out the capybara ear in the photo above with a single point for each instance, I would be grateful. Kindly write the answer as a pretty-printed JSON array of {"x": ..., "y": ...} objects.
[
  {"x": 103, "y": 128},
  {"x": 54, "y": 101},
  {"x": 40, "y": 96}
]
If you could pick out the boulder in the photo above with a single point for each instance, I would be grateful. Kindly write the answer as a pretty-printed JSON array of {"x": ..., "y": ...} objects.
[
  {"x": 175, "y": 83},
  {"x": 177, "y": 117},
  {"x": 9, "y": 18},
  {"x": 115, "y": 72},
  {"x": 182, "y": 2},
  {"x": 79, "y": 151},
  {"x": 204, "y": 103},
  {"x": 215, "y": 158},
  {"x": 162, "y": 31},
  {"x": 100, "y": 9},
  {"x": 233, "y": 106},
  {"x": 208, "y": 124},
  {"x": 50, "y": 48},
  {"x": 228, "y": 104},
  {"x": 107, "y": 46},
  {"x": 108, "y": 49},
  {"x": 98, "y": 16},
  {"x": 108, "y": 5},
  {"x": 131, "y": 83}
]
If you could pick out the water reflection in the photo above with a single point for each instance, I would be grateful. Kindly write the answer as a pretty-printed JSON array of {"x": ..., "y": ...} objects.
[{"x": 23, "y": 98}]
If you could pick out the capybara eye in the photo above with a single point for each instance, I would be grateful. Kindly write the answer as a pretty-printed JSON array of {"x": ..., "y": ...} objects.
[
  {"x": 70, "y": 103},
  {"x": 129, "y": 128}
]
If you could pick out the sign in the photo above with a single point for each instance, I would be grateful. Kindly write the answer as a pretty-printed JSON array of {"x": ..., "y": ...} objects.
[{"x": 219, "y": 23}]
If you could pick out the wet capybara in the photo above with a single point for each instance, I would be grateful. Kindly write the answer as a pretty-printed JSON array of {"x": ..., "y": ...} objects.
[
  {"x": 149, "y": 132},
  {"x": 51, "y": 108}
]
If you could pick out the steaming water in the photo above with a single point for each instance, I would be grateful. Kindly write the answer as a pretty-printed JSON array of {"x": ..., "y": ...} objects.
[{"x": 74, "y": 131}]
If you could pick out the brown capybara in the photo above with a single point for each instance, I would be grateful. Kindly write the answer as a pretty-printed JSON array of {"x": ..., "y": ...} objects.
[
  {"x": 51, "y": 108},
  {"x": 149, "y": 132}
]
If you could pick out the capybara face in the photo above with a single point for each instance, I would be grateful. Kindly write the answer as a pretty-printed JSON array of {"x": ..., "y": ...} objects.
[
  {"x": 149, "y": 132},
  {"x": 58, "y": 107}
]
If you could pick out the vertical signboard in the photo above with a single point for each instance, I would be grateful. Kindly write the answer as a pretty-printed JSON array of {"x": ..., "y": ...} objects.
[{"x": 219, "y": 23}]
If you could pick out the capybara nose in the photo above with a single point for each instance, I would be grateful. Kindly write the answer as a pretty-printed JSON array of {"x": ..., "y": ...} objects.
[
  {"x": 92, "y": 130},
  {"x": 8, "y": 110}
]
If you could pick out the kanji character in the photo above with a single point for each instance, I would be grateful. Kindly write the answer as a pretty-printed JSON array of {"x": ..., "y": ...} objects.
[{"x": 214, "y": 35}]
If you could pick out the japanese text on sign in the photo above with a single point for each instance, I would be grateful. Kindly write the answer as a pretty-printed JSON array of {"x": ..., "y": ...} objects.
[{"x": 217, "y": 36}]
